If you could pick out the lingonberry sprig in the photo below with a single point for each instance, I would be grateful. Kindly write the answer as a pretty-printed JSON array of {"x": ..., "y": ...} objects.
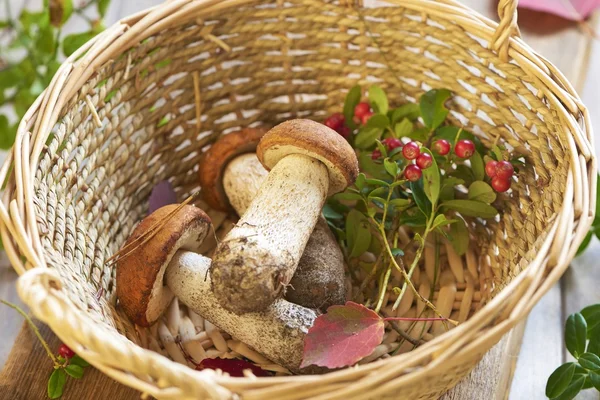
[{"x": 66, "y": 362}]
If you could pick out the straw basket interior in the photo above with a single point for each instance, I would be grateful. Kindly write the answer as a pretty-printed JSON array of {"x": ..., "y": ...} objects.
[{"x": 156, "y": 103}]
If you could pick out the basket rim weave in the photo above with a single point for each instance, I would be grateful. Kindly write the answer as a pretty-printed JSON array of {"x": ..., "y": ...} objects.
[{"x": 39, "y": 286}]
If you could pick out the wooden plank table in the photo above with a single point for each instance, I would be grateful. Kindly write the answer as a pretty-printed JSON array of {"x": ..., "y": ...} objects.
[{"x": 536, "y": 343}]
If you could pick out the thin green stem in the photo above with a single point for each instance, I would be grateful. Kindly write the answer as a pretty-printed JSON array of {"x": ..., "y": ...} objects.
[
  {"x": 383, "y": 288},
  {"x": 33, "y": 328}
]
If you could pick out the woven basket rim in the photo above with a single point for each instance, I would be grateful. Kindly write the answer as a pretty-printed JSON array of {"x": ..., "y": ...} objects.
[{"x": 37, "y": 287}]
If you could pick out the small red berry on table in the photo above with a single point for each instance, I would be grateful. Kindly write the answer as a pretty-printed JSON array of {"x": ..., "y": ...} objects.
[
  {"x": 442, "y": 147},
  {"x": 413, "y": 173},
  {"x": 464, "y": 148},
  {"x": 365, "y": 118},
  {"x": 362, "y": 109},
  {"x": 504, "y": 170},
  {"x": 490, "y": 168},
  {"x": 65, "y": 352},
  {"x": 500, "y": 184},
  {"x": 391, "y": 143},
  {"x": 335, "y": 121},
  {"x": 424, "y": 160},
  {"x": 411, "y": 150},
  {"x": 376, "y": 155}
]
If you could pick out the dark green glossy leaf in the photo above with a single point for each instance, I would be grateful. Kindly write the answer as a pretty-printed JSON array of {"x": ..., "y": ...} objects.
[
  {"x": 358, "y": 234},
  {"x": 459, "y": 236},
  {"x": 465, "y": 173},
  {"x": 560, "y": 380},
  {"x": 586, "y": 242},
  {"x": 369, "y": 166},
  {"x": 76, "y": 360},
  {"x": 471, "y": 208},
  {"x": 367, "y": 137},
  {"x": 56, "y": 383},
  {"x": 481, "y": 191},
  {"x": 573, "y": 389},
  {"x": 403, "y": 128},
  {"x": 590, "y": 361},
  {"x": 576, "y": 334},
  {"x": 591, "y": 314},
  {"x": 477, "y": 166},
  {"x": 352, "y": 99},
  {"x": 420, "y": 197},
  {"x": 433, "y": 109},
  {"x": 431, "y": 180},
  {"x": 348, "y": 196},
  {"x": 378, "y": 100},
  {"x": 449, "y": 183},
  {"x": 376, "y": 182},
  {"x": 330, "y": 214},
  {"x": 75, "y": 371},
  {"x": 391, "y": 167},
  {"x": 595, "y": 380},
  {"x": 411, "y": 111},
  {"x": 594, "y": 343},
  {"x": 415, "y": 219},
  {"x": 74, "y": 41}
]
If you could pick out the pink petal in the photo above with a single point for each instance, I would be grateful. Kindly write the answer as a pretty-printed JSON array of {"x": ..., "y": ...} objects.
[{"x": 571, "y": 9}]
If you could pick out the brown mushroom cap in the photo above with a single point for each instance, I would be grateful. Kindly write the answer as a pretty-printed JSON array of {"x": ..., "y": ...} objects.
[
  {"x": 216, "y": 159},
  {"x": 140, "y": 275},
  {"x": 310, "y": 138}
]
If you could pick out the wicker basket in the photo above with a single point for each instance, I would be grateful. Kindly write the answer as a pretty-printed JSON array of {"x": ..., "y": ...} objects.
[{"x": 141, "y": 101}]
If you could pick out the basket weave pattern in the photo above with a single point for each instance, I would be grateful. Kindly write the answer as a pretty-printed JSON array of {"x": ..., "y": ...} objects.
[{"x": 141, "y": 101}]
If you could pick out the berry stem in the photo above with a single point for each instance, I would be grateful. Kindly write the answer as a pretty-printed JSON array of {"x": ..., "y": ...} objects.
[
  {"x": 34, "y": 329},
  {"x": 416, "y": 319}
]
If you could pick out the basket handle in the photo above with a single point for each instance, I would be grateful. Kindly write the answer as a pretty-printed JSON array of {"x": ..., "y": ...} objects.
[{"x": 507, "y": 28}]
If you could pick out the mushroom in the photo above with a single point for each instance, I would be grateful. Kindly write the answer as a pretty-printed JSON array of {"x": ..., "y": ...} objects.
[
  {"x": 230, "y": 176},
  {"x": 163, "y": 264},
  {"x": 258, "y": 257}
]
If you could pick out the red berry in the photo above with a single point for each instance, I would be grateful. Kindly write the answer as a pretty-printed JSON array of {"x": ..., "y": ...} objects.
[
  {"x": 411, "y": 150},
  {"x": 392, "y": 143},
  {"x": 504, "y": 170},
  {"x": 412, "y": 173},
  {"x": 424, "y": 160},
  {"x": 344, "y": 131},
  {"x": 464, "y": 148},
  {"x": 442, "y": 147},
  {"x": 362, "y": 109},
  {"x": 365, "y": 118},
  {"x": 65, "y": 352},
  {"x": 490, "y": 168},
  {"x": 500, "y": 184},
  {"x": 335, "y": 121},
  {"x": 376, "y": 155}
]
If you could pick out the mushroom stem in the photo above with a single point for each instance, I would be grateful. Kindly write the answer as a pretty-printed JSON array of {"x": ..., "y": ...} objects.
[
  {"x": 278, "y": 332},
  {"x": 319, "y": 278},
  {"x": 259, "y": 256}
]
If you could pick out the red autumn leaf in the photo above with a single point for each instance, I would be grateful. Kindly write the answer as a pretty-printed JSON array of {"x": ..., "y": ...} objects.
[
  {"x": 162, "y": 195},
  {"x": 570, "y": 9},
  {"x": 232, "y": 366},
  {"x": 342, "y": 336}
]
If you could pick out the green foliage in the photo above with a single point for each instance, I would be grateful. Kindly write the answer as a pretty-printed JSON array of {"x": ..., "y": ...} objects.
[
  {"x": 33, "y": 53},
  {"x": 595, "y": 229},
  {"x": 582, "y": 339}
]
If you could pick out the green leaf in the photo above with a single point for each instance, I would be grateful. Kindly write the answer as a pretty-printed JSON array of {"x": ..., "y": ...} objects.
[
  {"x": 471, "y": 208},
  {"x": 450, "y": 134},
  {"x": 378, "y": 100},
  {"x": 590, "y": 361},
  {"x": 397, "y": 252},
  {"x": 29, "y": 19},
  {"x": 573, "y": 389},
  {"x": 576, "y": 334},
  {"x": 7, "y": 133},
  {"x": 76, "y": 360},
  {"x": 361, "y": 181},
  {"x": 440, "y": 220},
  {"x": 419, "y": 135},
  {"x": 367, "y": 137},
  {"x": 594, "y": 343},
  {"x": 23, "y": 100},
  {"x": 403, "y": 128},
  {"x": 591, "y": 314},
  {"x": 330, "y": 214},
  {"x": 481, "y": 191},
  {"x": 74, "y": 41},
  {"x": 420, "y": 197},
  {"x": 45, "y": 40},
  {"x": 431, "y": 180},
  {"x": 595, "y": 378},
  {"x": 10, "y": 77},
  {"x": 163, "y": 121},
  {"x": 465, "y": 173},
  {"x": 56, "y": 383},
  {"x": 67, "y": 10},
  {"x": 448, "y": 187},
  {"x": 586, "y": 242},
  {"x": 348, "y": 196},
  {"x": 477, "y": 166},
  {"x": 400, "y": 203},
  {"x": 414, "y": 220},
  {"x": 376, "y": 182},
  {"x": 497, "y": 152},
  {"x": 379, "y": 192},
  {"x": 369, "y": 166},
  {"x": 380, "y": 121},
  {"x": 410, "y": 111},
  {"x": 102, "y": 7},
  {"x": 74, "y": 370},
  {"x": 433, "y": 109},
  {"x": 352, "y": 99},
  {"x": 391, "y": 167},
  {"x": 358, "y": 234},
  {"x": 459, "y": 237},
  {"x": 560, "y": 380}
]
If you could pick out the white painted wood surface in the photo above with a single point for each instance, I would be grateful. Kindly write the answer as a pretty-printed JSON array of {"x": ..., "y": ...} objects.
[{"x": 542, "y": 349}]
